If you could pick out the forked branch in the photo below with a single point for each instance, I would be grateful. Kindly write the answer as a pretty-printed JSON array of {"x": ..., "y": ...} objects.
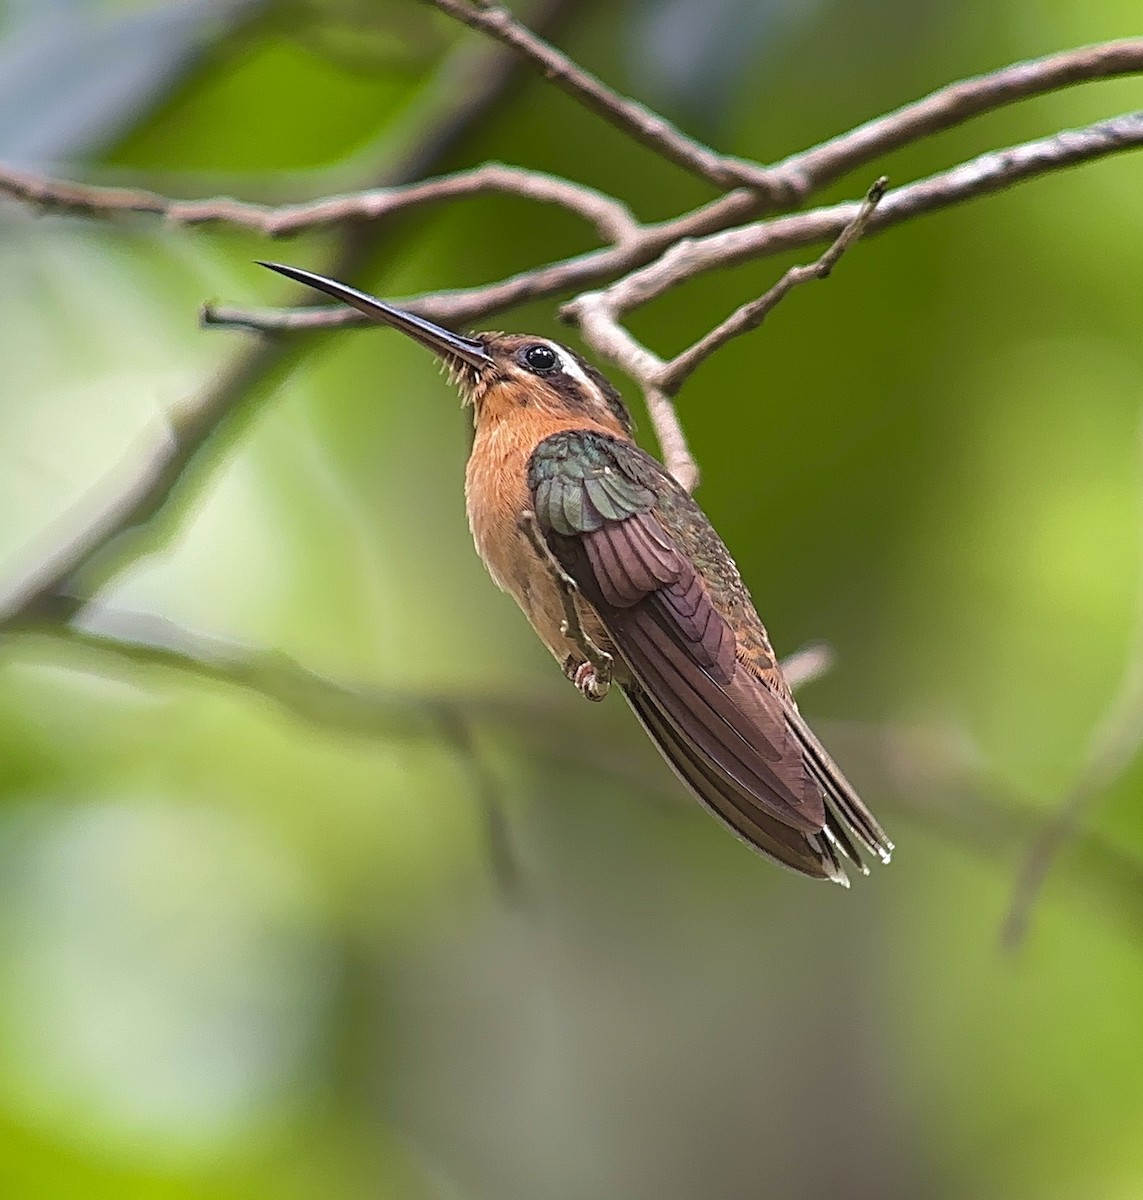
[
  {"x": 656, "y": 258},
  {"x": 637, "y": 263},
  {"x": 634, "y": 119},
  {"x": 598, "y": 315},
  {"x": 750, "y": 316}
]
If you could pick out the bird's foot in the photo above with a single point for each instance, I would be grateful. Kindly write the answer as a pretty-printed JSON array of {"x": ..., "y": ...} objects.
[{"x": 586, "y": 678}]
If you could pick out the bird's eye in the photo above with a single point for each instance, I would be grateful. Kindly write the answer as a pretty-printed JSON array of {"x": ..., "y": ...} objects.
[{"x": 540, "y": 358}]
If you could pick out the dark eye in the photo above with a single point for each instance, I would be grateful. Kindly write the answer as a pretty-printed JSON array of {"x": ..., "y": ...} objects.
[{"x": 540, "y": 358}]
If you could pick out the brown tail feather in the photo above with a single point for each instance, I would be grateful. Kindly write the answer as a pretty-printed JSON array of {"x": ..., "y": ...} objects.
[
  {"x": 809, "y": 854},
  {"x": 843, "y": 804}
]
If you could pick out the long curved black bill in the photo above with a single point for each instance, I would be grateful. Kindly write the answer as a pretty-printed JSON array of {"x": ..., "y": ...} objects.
[{"x": 433, "y": 337}]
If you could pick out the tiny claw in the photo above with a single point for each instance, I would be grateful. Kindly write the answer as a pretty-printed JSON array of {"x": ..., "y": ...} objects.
[{"x": 586, "y": 679}]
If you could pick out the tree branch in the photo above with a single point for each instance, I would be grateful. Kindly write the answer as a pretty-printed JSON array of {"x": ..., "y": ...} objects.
[
  {"x": 639, "y": 263},
  {"x": 598, "y": 312},
  {"x": 953, "y": 105},
  {"x": 65, "y": 577},
  {"x": 1115, "y": 743},
  {"x": 610, "y": 217},
  {"x": 460, "y": 732},
  {"x": 991, "y": 172},
  {"x": 661, "y": 380},
  {"x": 939, "y": 790},
  {"x": 749, "y": 316},
  {"x": 637, "y": 121},
  {"x": 354, "y": 709},
  {"x": 660, "y": 257},
  {"x": 807, "y": 665}
]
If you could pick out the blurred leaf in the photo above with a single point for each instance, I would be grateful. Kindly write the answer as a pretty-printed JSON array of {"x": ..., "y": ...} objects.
[
  {"x": 928, "y": 461},
  {"x": 365, "y": 36},
  {"x": 74, "y": 75},
  {"x": 165, "y": 976},
  {"x": 689, "y": 57}
]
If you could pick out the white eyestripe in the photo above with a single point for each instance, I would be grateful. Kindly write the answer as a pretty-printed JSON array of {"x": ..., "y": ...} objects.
[{"x": 569, "y": 366}]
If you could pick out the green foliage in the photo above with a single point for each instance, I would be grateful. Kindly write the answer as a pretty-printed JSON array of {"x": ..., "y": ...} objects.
[{"x": 245, "y": 955}]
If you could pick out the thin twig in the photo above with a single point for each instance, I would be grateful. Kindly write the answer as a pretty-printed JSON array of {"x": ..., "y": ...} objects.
[
  {"x": 991, "y": 172},
  {"x": 674, "y": 449},
  {"x": 568, "y": 590},
  {"x": 1115, "y": 747},
  {"x": 1115, "y": 743},
  {"x": 806, "y": 665},
  {"x": 598, "y": 312},
  {"x": 948, "y": 795},
  {"x": 611, "y": 218},
  {"x": 953, "y": 105},
  {"x": 664, "y": 256},
  {"x": 641, "y": 263},
  {"x": 637, "y": 121},
  {"x": 940, "y": 783},
  {"x": 790, "y": 181},
  {"x": 750, "y": 316},
  {"x": 796, "y": 176},
  {"x": 458, "y": 729},
  {"x": 356, "y": 709},
  {"x": 472, "y": 84},
  {"x": 144, "y": 640},
  {"x": 598, "y": 317}
]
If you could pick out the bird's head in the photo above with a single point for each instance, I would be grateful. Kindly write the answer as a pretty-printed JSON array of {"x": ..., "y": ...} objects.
[{"x": 501, "y": 375}]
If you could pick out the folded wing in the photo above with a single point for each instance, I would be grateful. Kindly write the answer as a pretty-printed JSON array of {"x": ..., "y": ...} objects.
[{"x": 739, "y": 746}]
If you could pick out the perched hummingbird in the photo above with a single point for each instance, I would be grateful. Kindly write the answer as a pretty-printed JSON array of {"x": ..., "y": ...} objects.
[{"x": 655, "y": 588}]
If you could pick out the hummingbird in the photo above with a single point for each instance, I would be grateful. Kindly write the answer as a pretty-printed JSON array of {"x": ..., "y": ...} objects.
[{"x": 565, "y": 508}]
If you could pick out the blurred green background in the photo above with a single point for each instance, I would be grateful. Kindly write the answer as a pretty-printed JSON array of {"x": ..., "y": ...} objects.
[{"x": 248, "y": 954}]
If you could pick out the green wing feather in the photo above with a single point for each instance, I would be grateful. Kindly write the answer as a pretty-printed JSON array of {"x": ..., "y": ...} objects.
[
  {"x": 646, "y": 558},
  {"x": 581, "y": 480}
]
